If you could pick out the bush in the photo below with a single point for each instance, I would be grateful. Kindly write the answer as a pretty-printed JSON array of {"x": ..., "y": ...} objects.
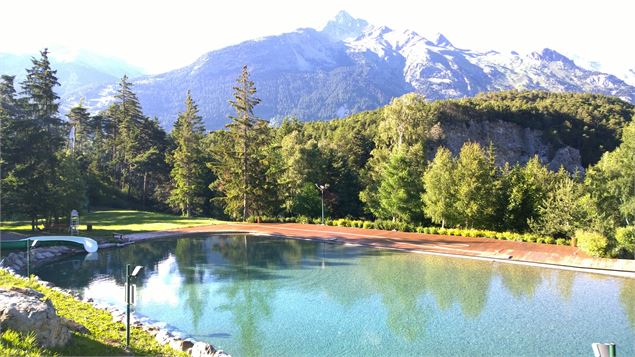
[
  {"x": 528, "y": 237},
  {"x": 550, "y": 240},
  {"x": 592, "y": 243},
  {"x": 368, "y": 225},
  {"x": 433, "y": 230},
  {"x": 561, "y": 241},
  {"x": 540, "y": 240},
  {"x": 625, "y": 237}
]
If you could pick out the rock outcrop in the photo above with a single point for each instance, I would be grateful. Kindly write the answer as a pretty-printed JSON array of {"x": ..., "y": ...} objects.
[
  {"x": 512, "y": 143},
  {"x": 25, "y": 311}
]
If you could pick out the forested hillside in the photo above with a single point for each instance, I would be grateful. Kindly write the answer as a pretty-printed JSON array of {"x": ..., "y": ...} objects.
[{"x": 414, "y": 161}]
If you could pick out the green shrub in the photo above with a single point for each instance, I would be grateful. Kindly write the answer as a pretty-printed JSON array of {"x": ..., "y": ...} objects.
[
  {"x": 316, "y": 221},
  {"x": 540, "y": 240},
  {"x": 328, "y": 222},
  {"x": 561, "y": 241},
  {"x": 550, "y": 240},
  {"x": 528, "y": 237},
  {"x": 592, "y": 243},
  {"x": 442, "y": 231},
  {"x": 420, "y": 229},
  {"x": 625, "y": 237},
  {"x": 368, "y": 225}
]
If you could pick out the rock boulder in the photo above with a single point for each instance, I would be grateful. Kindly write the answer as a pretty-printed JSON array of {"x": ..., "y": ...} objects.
[{"x": 24, "y": 311}]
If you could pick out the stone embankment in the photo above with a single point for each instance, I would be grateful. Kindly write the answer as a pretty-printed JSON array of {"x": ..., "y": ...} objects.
[
  {"x": 23, "y": 310},
  {"x": 17, "y": 261},
  {"x": 163, "y": 333}
]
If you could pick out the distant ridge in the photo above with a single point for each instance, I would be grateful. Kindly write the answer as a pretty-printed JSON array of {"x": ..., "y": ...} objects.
[{"x": 347, "y": 67}]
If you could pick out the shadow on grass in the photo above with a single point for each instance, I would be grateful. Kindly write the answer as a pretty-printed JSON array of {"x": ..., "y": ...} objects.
[{"x": 81, "y": 345}]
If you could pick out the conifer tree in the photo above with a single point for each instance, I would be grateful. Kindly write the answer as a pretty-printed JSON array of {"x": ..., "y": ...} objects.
[
  {"x": 400, "y": 190},
  {"x": 79, "y": 120},
  {"x": 187, "y": 160},
  {"x": 41, "y": 138},
  {"x": 241, "y": 167},
  {"x": 129, "y": 121}
]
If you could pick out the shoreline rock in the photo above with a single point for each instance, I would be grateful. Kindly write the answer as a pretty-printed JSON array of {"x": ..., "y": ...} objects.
[
  {"x": 25, "y": 311},
  {"x": 161, "y": 331}
]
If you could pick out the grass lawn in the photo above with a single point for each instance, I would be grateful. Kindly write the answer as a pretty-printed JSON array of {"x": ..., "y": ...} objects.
[
  {"x": 105, "y": 337},
  {"x": 105, "y": 223}
]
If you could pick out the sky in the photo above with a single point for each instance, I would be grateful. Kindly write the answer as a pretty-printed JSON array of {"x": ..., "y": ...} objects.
[{"x": 158, "y": 35}]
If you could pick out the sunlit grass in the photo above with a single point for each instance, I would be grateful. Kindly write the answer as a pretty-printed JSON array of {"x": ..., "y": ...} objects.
[{"x": 105, "y": 223}]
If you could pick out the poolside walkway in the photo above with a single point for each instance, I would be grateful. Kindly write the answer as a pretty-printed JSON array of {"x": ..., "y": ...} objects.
[{"x": 565, "y": 257}]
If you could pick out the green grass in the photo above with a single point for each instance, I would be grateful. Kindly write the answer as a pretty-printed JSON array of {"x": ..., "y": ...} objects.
[
  {"x": 105, "y": 337},
  {"x": 105, "y": 223}
]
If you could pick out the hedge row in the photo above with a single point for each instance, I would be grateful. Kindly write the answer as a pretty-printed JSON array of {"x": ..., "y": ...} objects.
[{"x": 404, "y": 227}]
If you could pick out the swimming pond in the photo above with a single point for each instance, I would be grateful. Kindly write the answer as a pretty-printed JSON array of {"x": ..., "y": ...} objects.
[{"x": 255, "y": 296}]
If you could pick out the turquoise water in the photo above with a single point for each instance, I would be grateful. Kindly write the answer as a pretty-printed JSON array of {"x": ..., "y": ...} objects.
[{"x": 259, "y": 296}]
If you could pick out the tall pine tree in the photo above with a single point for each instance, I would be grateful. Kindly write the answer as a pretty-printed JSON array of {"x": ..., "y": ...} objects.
[
  {"x": 241, "y": 166},
  {"x": 187, "y": 161},
  {"x": 41, "y": 138}
]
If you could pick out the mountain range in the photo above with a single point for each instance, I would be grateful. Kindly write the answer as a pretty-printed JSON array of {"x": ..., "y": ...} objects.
[
  {"x": 347, "y": 67},
  {"x": 75, "y": 70}
]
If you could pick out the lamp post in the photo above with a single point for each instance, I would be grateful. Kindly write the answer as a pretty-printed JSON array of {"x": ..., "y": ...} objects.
[
  {"x": 322, "y": 188},
  {"x": 130, "y": 297}
]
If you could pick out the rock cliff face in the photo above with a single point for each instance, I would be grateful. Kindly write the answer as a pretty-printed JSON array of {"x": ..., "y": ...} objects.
[{"x": 512, "y": 143}]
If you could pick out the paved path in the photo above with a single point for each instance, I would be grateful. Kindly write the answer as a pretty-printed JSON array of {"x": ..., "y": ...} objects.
[{"x": 482, "y": 248}]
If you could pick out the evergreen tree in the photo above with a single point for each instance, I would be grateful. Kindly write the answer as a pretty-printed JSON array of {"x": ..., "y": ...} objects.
[
  {"x": 439, "y": 195},
  {"x": 128, "y": 121},
  {"x": 561, "y": 212},
  {"x": 40, "y": 136},
  {"x": 400, "y": 190},
  {"x": 241, "y": 166},
  {"x": 80, "y": 122},
  {"x": 9, "y": 113},
  {"x": 187, "y": 161}
]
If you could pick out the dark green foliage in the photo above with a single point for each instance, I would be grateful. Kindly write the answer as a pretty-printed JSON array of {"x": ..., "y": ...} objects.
[
  {"x": 37, "y": 136},
  {"x": 243, "y": 159},
  {"x": 187, "y": 161},
  {"x": 400, "y": 190},
  {"x": 588, "y": 122}
]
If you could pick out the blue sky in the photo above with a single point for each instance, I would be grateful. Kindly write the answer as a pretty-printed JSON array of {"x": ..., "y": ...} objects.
[{"x": 163, "y": 35}]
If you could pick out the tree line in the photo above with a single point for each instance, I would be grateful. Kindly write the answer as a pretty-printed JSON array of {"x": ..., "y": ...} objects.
[{"x": 378, "y": 164}]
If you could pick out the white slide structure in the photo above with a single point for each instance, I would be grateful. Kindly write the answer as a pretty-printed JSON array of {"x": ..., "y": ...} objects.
[{"x": 90, "y": 245}]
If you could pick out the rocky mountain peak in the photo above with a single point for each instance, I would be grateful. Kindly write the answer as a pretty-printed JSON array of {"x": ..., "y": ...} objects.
[
  {"x": 442, "y": 41},
  {"x": 344, "y": 27}
]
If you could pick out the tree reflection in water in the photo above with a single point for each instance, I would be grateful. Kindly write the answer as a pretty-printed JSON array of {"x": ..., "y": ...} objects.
[{"x": 412, "y": 290}]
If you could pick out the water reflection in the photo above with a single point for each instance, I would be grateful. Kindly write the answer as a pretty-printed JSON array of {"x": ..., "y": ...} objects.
[
  {"x": 247, "y": 282},
  {"x": 627, "y": 297}
]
